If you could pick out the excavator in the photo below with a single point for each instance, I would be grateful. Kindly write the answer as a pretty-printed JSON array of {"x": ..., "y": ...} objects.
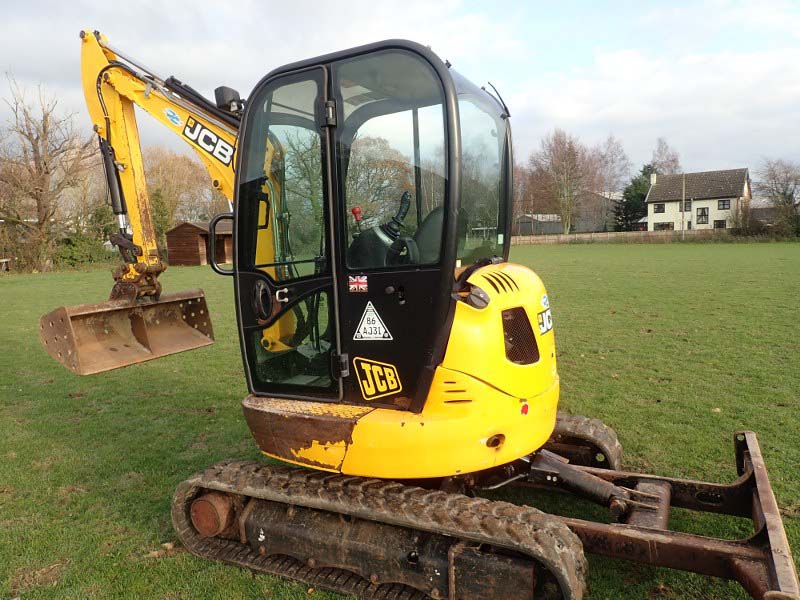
[{"x": 400, "y": 368}]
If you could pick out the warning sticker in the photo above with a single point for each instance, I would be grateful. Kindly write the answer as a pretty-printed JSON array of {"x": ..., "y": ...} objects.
[{"x": 371, "y": 326}]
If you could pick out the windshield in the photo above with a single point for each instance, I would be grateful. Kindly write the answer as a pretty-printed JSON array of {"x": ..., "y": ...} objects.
[{"x": 484, "y": 173}]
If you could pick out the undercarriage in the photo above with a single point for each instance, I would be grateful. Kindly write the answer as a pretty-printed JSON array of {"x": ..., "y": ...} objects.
[{"x": 388, "y": 539}]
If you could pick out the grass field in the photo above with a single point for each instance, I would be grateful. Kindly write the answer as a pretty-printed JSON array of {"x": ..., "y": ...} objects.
[{"x": 676, "y": 346}]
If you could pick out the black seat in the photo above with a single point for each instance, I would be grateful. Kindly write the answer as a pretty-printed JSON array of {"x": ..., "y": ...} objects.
[{"x": 429, "y": 236}]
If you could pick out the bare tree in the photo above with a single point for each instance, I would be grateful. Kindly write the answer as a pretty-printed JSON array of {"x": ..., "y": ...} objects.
[
  {"x": 182, "y": 182},
  {"x": 42, "y": 157},
  {"x": 779, "y": 180},
  {"x": 377, "y": 176},
  {"x": 567, "y": 168},
  {"x": 79, "y": 204},
  {"x": 665, "y": 160},
  {"x": 614, "y": 166}
]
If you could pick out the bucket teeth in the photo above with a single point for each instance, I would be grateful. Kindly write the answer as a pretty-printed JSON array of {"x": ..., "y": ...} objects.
[{"x": 92, "y": 338}]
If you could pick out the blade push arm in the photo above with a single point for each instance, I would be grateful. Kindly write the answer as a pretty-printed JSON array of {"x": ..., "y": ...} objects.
[{"x": 112, "y": 85}]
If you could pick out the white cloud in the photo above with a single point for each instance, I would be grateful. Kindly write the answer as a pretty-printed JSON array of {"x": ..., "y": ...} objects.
[
  {"x": 723, "y": 109},
  {"x": 719, "y": 103}
]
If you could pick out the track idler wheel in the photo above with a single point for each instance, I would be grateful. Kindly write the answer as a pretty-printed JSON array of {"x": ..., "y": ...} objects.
[
  {"x": 212, "y": 513},
  {"x": 585, "y": 442}
]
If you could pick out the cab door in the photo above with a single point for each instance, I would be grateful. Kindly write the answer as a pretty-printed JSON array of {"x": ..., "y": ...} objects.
[
  {"x": 392, "y": 184},
  {"x": 285, "y": 284}
]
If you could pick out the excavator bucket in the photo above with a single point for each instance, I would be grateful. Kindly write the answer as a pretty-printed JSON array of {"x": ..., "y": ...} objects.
[{"x": 92, "y": 338}]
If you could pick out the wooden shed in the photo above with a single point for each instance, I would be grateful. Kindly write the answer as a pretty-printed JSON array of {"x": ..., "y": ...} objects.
[{"x": 187, "y": 243}]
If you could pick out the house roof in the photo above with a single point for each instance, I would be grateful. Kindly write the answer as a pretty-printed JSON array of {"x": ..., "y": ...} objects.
[
  {"x": 223, "y": 227},
  {"x": 541, "y": 217},
  {"x": 699, "y": 186}
]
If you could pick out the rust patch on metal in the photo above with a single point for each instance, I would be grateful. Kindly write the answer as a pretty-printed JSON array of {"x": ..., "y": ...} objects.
[
  {"x": 92, "y": 338},
  {"x": 284, "y": 428},
  {"x": 212, "y": 513}
]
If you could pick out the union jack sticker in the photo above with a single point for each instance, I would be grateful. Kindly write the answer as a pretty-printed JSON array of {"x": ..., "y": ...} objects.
[{"x": 358, "y": 283}]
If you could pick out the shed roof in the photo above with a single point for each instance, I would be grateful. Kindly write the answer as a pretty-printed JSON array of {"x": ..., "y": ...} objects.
[
  {"x": 699, "y": 186},
  {"x": 224, "y": 227}
]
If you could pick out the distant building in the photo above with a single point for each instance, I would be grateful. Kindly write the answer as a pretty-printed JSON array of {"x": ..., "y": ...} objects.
[
  {"x": 537, "y": 224},
  {"x": 639, "y": 225},
  {"x": 187, "y": 243},
  {"x": 712, "y": 198},
  {"x": 595, "y": 211},
  {"x": 764, "y": 210}
]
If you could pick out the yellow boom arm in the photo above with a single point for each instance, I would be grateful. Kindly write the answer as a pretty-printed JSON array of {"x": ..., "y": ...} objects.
[
  {"x": 112, "y": 85},
  {"x": 138, "y": 323}
]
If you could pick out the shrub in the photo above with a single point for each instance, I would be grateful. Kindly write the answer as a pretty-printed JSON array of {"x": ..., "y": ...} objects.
[{"x": 77, "y": 250}]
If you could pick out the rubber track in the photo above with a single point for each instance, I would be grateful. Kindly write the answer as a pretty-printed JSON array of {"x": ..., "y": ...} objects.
[
  {"x": 594, "y": 431},
  {"x": 543, "y": 537}
]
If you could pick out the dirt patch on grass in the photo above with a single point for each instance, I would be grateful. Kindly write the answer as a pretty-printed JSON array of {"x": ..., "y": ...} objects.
[
  {"x": 793, "y": 510},
  {"x": 166, "y": 549},
  {"x": 48, "y": 576},
  {"x": 44, "y": 464}
]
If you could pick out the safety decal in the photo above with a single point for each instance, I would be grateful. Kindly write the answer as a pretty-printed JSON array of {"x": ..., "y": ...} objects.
[
  {"x": 376, "y": 379},
  {"x": 358, "y": 283},
  {"x": 545, "y": 319},
  {"x": 208, "y": 141},
  {"x": 371, "y": 326},
  {"x": 173, "y": 117}
]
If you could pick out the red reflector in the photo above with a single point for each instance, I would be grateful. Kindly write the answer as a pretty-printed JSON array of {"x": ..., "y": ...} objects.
[{"x": 524, "y": 409}]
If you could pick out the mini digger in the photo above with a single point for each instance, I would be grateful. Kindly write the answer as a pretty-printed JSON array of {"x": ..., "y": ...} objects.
[{"x": 396, "y": 360}]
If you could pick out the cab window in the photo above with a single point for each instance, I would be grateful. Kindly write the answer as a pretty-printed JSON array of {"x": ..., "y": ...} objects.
[{"x": 392, "y": 160}]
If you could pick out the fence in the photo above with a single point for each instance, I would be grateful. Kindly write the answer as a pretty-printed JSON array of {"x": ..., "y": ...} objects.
[{"x": 619, "y": 236}]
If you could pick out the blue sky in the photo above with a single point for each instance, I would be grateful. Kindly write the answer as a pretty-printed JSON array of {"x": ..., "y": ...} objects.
[{"x": 718, "y": 78}]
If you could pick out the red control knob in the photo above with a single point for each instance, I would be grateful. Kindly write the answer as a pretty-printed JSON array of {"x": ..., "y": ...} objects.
[{"x": 356, "y": 210}]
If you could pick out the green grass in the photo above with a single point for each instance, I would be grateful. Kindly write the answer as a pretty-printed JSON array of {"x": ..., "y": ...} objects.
[{"x": 676, "y": 346}]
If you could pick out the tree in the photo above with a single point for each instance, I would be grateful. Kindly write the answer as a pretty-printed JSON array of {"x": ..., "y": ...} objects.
[
  {"x": 665, "y": 160},
  {"x": 42, "y": 157},
  {"x": 183, "y": 184},
  {"x": 566, "y": 168},
  {"x": 377, "y": 176},
  {"x": 614, "y": 165},
  {"x": 631, "y": 207},
  {"x": 160, "y": 215},
  {"x": 779, "y": 180}
]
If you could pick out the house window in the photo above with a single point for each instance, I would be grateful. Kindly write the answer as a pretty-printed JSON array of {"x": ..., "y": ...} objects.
[
  {"x": 687, "y": 206},
  {"x": 688, "y": 224},
  {"x": 702, "y": 216},
  {"x": 658, "y": 208},
  {"x": 724, "y": 204},
  {"x": 721, "y": 224},
  {"x": 663, "y": 226}
]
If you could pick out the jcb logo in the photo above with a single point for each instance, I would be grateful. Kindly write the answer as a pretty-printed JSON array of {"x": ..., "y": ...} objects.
[
  {"x": 376, "y": 379},
  {"x": 208, "y": 141}
]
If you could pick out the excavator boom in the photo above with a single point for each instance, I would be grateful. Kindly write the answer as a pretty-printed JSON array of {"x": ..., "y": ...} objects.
[{"x": 138, "y": 323}]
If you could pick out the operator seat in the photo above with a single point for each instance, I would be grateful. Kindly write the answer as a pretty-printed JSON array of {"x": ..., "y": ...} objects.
[{"x": 429, "y": 236}]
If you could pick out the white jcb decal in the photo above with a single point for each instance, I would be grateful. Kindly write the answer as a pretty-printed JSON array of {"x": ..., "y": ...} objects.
[
  {"x": 545, "y": 319},
  {"x": 208, "y": 141},
  {"x": 371, "y": 326}
]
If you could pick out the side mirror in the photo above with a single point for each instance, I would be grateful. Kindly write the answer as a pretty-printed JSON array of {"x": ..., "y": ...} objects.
[
  {"x": 211, "y": 256},
  {"x": 227, "y": 99}
]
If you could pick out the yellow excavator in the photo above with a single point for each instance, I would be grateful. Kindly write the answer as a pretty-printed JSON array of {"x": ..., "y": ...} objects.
[{"x": 395, "y": 358}]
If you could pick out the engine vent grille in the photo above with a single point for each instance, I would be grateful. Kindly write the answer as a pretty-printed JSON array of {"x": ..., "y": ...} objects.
[
  {"x": 521, "y": 347},
  {"x": 501, "y": 282}
]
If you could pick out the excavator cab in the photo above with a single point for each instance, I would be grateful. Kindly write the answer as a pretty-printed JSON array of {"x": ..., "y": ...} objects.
[{"x": 365, "y": 179}]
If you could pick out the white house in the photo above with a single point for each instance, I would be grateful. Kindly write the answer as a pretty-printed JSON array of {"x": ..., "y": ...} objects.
[{"x": 712, "y": 198}]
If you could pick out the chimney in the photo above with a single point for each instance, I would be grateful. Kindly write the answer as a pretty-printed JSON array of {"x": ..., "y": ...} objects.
[{"x": 653, "y": 178}]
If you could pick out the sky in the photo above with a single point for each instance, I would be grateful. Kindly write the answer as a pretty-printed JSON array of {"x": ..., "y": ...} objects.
[{"x": 719, "y": 79}]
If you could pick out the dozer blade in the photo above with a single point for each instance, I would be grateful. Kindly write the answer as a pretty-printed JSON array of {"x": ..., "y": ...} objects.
[{"x": 92, "y": 338}]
